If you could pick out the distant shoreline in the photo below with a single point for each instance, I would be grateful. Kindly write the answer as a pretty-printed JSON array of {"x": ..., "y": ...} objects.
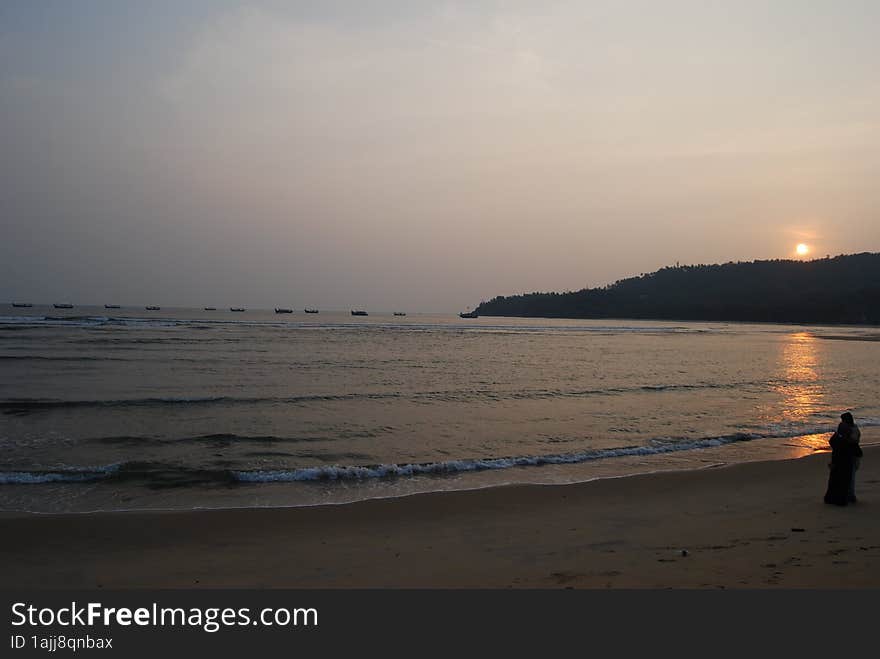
[
  {"x": 844, "y": 289},
  {"x": 623, "y": 319}
]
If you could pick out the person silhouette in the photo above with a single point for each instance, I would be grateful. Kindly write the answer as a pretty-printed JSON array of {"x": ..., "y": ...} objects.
[{"x": 845, "y": 457}]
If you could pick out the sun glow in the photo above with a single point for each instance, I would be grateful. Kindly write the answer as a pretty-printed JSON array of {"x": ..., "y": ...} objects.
[{"x": 802, "y": 249}]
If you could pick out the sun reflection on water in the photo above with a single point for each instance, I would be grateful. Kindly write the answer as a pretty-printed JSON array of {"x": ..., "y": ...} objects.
[
  {"x": 799, "y": 383},
  {"x": 816, "y": 442}
]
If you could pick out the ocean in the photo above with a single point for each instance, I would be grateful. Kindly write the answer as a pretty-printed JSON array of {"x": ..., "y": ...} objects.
[{"x": 119, "y": 409}]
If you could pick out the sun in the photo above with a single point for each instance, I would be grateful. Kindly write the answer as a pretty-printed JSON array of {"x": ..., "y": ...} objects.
[{"x": 802, "y": 249}]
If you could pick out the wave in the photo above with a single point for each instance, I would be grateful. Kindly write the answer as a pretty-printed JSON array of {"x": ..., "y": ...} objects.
[
  {"x": 655, "y": 447},
  {"x": 153, "y": 474},
  {"x": 63, "y": 475},
  {"x": 26, "y": 405},
  {"x": 165, "y": 475},
  {"x": 22, "y": 405},
  {"x": 218, "y": 439},
  {"x": 89, "y": 321},
  {"x": 61, "y": 358}
]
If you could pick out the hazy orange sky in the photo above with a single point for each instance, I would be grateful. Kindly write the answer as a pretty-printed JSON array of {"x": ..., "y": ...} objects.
[{"x": 424, "y": 155}]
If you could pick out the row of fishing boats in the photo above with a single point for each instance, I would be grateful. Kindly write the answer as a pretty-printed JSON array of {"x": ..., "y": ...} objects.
[
  {"x": 283, "y": 310},
  {"x": 354, "y": 312}
]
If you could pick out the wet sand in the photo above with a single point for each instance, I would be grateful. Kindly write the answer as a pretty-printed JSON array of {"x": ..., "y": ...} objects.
[{"x": 754, "y": 525}]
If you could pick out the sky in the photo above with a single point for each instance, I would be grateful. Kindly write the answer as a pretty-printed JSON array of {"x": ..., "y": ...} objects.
[{"x": 424, "y": 156}]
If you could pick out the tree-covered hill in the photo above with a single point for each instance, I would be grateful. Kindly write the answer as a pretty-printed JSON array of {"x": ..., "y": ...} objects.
[{"x": 842, "y": 289}]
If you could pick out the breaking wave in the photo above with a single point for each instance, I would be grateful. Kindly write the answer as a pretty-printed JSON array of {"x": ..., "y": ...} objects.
[
  {"x": 655, "y": 447},
  {"x": 163, "y": 475}
]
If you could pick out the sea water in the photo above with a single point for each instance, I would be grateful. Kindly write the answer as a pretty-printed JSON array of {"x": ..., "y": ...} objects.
[{"x": 183, "y": 408}]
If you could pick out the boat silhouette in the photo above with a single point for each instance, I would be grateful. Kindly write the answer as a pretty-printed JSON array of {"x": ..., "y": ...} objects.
[
  {"x": 111, "y": 306},
  {"x": 24, "y": 305},
  {"x": 281, "y": 310},
  {"x": 239, "y": 309},
  {"x": 310, "y": 310},
  {"x": 399, "y": 313},
  {"x": 152, "y": 308},
  {"x": 63, "y": 306},
  {"x": 210, "y": 308},
  {"x": 468, "y": 314},
  {"x": 359, "y": 312}
]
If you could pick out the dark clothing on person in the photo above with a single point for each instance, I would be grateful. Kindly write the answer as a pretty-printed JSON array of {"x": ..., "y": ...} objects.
[{"x": 845, "y": 452}]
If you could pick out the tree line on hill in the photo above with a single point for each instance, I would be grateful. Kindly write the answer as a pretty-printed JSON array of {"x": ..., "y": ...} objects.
[{"x": 840, "y": 290}]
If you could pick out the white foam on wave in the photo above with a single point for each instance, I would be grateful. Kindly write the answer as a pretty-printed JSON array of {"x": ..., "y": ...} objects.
[{"x": 459, "y": 466}]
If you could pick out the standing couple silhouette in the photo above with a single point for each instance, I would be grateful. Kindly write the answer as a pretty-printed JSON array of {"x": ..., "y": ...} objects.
[{"x": 846, "y": 454}]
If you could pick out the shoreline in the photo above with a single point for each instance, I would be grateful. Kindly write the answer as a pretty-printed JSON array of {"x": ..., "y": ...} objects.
[
  {"x": 19, "y": 514},
  {"x": 744, "y": 525}
]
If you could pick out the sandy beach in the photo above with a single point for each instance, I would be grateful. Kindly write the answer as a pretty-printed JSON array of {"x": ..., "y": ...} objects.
[{"x": 753, "y": 525}]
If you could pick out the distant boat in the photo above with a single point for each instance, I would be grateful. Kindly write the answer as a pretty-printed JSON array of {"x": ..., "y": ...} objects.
[
  {"x": 399, "y": 313},
  {"x": 24, "y": 305},
  {"x": 310, "y": 310},
  {"x": 152, "y": 308},
  {"x": 239, "y": 309},
  {"x": 358, "y": 312},
  {"x": 111, "y": 306},
  {"x": 210, "y": 308},
  {"x": 469, "y": 314},
  {"x": 63, "y": 306},
  {"x": 280, "y": 310}
]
